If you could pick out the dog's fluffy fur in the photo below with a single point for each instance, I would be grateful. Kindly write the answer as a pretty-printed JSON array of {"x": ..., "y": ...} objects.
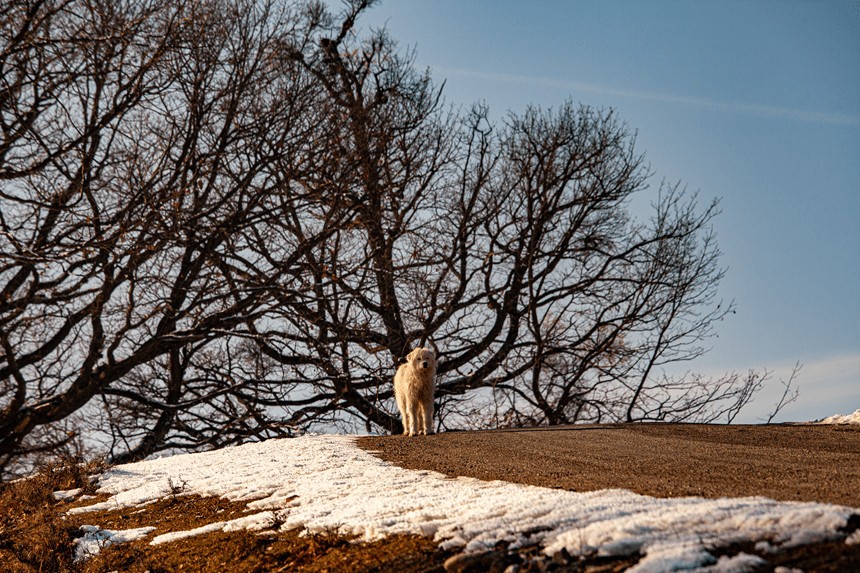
[{"x": 414, "y": 385}]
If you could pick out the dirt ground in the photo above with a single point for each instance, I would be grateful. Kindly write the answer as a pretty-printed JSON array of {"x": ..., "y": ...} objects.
[{"x": 784, "y": 462}]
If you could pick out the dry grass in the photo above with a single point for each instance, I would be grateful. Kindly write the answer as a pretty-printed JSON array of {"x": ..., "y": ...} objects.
[
  {"x": 34, "y": 536},
  {"x": 246, "y": 552},
  {"x": 243, "y": 551}
]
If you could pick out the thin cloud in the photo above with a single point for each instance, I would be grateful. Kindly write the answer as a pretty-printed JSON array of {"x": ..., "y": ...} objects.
[
  {"x": 828, "y": 385},
  {"x": 844, "y": 368},
  {"x": 733, "y": 107}
]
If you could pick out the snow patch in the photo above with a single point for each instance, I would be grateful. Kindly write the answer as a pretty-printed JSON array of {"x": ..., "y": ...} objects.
[
  {"x": 66, "y": 494},
  {"x": 177, "y": 535},
  {"x": 325, "y": 483},
  {"x": 840, "y": 419},
  {"x": 740, "y": 563},
  {"x": 95, "y": 539},
  {"x": 256, "y": 522}
]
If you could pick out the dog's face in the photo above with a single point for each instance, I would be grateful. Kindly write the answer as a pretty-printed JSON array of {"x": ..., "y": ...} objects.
[{"x": 421, "y": 358}]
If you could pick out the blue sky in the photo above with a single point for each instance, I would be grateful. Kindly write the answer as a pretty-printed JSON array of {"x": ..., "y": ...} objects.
[{"x": 757, "y": 103}]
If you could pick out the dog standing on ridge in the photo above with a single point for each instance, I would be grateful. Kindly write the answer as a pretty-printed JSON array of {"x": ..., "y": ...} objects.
[{"x": 414, "y": 385}]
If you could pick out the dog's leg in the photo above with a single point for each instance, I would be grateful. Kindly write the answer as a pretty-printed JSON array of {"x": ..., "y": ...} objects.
[
  {"x": 428, "y": 418},
  {"x": 409, "y": 419},
  {"x": 423, "y": 423},
  {"x": 419, "y": 417},
  {"x": 408, "y": 422},
  {"x": 401, "y": 405}
]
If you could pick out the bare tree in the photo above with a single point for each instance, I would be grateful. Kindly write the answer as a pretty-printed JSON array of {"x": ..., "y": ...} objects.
[
  {"x": 144, "y": 144},
  {"x": 510, "y": 246},
  {"x": 790, "y": 393},
  {"x": 227, "y": 221}
]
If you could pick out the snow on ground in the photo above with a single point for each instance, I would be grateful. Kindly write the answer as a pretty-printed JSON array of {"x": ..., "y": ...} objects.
[
  {"x": 840, "y": 419},
  {"x": 95, "y": 538},
  {"x": 328, "y": 483},
  {"x": 67, "y": 494}
]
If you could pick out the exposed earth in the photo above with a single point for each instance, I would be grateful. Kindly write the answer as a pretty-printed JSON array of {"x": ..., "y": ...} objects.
[{"x": 797, "y": 462}]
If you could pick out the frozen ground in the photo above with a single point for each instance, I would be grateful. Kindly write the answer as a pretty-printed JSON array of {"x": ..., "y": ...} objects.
[{"x": 327, "y": 482}]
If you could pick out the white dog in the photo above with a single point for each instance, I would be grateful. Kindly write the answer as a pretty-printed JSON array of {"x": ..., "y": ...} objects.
[{"x": 414, "y": 385}]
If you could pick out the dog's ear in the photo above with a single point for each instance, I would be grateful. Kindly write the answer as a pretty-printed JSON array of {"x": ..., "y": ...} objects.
[{"x": 411, "y": 355}]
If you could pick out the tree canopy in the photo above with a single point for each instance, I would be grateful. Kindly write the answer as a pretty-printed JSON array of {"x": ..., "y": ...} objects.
[{"x": 228, "y": 220}]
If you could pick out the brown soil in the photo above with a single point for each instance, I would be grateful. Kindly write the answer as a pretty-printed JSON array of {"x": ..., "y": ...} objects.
[{"x": 783, "y": 462}]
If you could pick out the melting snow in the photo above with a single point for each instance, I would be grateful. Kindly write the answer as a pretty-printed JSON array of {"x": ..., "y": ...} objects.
[
  {"x": 840, "y": 419},
  {"x": 66, "y": 494},
  {"x": 327, "y": 482},
  {"x": 95, "y": 538},
  {"x": 254, "y": 522}
]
